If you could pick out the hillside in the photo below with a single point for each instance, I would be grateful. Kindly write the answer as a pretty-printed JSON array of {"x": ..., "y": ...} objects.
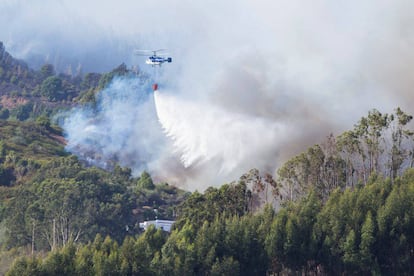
[
  {"x": 40, "y": 182},
  {"x": 42, "y": 187},
  {"x": 24, "y": 147},
  {"x": 15, "y": 75},
  {"x": 344, "y": 206},
  {"x": 27, "y": 94}
]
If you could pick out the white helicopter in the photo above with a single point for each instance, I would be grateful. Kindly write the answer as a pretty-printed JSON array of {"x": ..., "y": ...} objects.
[{"x": 154, "y": 59}]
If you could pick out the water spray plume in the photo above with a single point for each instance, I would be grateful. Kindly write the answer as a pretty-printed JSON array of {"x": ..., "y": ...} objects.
[{"x": 210, "y": 138}]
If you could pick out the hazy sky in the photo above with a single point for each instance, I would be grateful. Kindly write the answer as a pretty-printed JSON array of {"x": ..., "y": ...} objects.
[
  {"x": 334, "y": 47},
  {"x": 305, "y": 67}
]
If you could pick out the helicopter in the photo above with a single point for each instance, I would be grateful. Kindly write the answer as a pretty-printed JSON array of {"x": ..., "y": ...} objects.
[{"x": 154, "y": 59}]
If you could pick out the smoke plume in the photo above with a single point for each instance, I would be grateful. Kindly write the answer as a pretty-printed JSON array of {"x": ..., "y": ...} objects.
[
  {"x": 121, "y": 126},
  {"x": 252, "y": 83}
]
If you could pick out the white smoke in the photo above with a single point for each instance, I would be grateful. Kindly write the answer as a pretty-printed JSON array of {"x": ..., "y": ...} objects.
[{"x": 122, "y": 126}]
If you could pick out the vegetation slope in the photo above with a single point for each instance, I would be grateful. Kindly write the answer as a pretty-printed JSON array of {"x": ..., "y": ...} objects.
[{"x": 345, "y": 206}]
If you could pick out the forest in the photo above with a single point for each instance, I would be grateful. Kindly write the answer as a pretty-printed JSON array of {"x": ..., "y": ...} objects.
[
  {"x": 364, "y": 230},
  {"x": 343, "y": 206}
]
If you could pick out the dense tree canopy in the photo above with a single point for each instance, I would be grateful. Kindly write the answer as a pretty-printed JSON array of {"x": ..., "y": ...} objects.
[
  {"x": 364, "y": 230},
  {"x": 52, "y": 88}
]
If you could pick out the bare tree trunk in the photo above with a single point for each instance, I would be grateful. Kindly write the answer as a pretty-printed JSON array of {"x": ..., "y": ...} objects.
[
  {"x": 33, "y": 236},
  {"x": 54, "y": 235}
]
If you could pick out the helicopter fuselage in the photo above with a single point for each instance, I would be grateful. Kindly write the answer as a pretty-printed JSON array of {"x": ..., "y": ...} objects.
[{"x": 157, "y": 60}]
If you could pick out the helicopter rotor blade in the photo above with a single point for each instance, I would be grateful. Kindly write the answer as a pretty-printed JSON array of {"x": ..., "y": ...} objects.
[
  {"x": 142, "y": 52},
  {"x": 149, "y": 52}
]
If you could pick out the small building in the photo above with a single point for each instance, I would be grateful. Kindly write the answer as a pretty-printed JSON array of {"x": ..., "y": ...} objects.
[{"x": 158, "y": 223}]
